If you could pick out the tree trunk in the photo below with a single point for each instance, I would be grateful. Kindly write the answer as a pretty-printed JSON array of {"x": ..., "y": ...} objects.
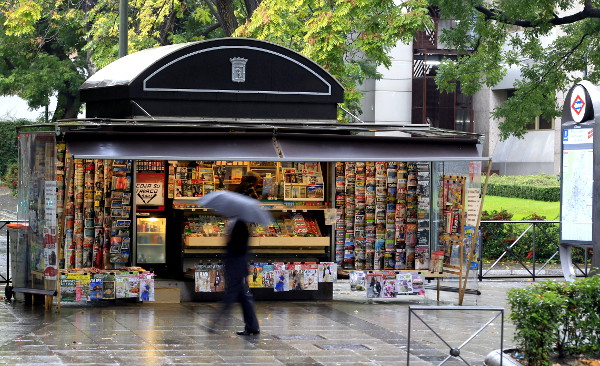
[
  {"x": 225, "y": 9},
  {"x": 67, "y": 106},
  {"x": 251, "y": 5}
]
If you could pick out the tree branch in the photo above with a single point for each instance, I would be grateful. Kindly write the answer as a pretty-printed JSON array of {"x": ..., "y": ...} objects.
[
  {"x": 587, "y": 12},
  {"x": 210, "y": 29}
]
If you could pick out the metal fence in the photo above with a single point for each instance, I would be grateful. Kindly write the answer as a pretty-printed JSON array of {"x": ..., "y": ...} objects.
[
  {"x": 524, "y": 249},
  {"x": 450, "y": 339}
]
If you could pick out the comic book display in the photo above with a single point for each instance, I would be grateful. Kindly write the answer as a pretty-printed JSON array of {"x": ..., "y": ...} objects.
[
  {"x": 382, "y": 215},
  {"x": 87, "y": 285},
  {"x": 280, "y": 276}
]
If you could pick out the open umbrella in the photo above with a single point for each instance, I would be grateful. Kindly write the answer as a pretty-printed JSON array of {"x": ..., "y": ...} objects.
[{"x": 235, "y": 205}]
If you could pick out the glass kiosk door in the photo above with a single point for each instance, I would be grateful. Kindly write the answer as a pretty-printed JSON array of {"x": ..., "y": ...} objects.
[{"x": 151, "y": 240}]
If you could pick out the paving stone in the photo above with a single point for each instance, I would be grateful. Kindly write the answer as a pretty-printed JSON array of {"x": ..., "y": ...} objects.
[{"x": 346, "y": 331}]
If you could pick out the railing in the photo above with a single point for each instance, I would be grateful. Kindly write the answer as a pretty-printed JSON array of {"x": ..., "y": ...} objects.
[
  {"x": 439, "y": 324},
  {"x": 530, "y": 246}
]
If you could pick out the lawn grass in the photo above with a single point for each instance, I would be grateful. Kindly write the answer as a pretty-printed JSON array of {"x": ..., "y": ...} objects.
[{"x": 521, "y": 208}]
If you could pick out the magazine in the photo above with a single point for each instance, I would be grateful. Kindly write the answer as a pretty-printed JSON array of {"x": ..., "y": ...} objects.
[
  {"x": 404, "y": 284},
  {"x": 374, "y": 284},
  {"x": 327, "y": 272},
  {"x": 281, "y": 280}
]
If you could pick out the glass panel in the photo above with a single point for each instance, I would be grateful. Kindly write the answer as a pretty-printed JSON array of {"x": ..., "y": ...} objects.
[
  {"x": 151, "y": 239},
  {"x": 38, "y": 200}
]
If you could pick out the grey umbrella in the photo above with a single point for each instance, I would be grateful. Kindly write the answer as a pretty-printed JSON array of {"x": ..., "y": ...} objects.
[{"x": 236, "y": 205}]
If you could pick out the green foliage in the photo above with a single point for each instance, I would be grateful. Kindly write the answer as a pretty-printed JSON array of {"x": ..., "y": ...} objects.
[
  {"x": 557, "y": 318},
  {"x": 350, "y": 39},
  {"x": 496, "y": 237},
  {"x": 548, "y": 194},
  {"x": 492, "y": 36},
  {"x": 536, "y": 187},
  {"x": 40, "y": 44},
  {"x": 49, "y": 48},
  {"x": 9, "y": 152},
  {"x": 11, "y": 176},
  {"x": 538, "y": 180}
]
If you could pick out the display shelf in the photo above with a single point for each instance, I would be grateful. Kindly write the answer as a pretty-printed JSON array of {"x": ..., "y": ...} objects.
[
  {"x": 150, "y": 244},
  {"x": 268, "y": 241},
  {"x": 284, "y": 207},
  {"x": 255, "y": 251},
  {"x": 151, "y": 232}
]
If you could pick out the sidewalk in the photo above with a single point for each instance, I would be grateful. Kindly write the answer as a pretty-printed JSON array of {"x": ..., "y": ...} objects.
[{"x": 350, "y": 330}]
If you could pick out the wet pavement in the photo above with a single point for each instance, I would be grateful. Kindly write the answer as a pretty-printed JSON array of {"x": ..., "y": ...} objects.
[{"x": 350, "y": 330}]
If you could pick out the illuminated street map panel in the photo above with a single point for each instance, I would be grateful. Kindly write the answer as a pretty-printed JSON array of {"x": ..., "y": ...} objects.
[{"x": 577, "y": 185}]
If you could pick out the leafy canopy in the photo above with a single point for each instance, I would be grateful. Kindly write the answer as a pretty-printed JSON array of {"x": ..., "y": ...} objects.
[
  {"x": 349, "y": 38},
  {"x": 554, "y": 43}
]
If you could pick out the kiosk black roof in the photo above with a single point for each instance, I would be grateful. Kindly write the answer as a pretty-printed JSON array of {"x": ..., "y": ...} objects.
[{"x": 222, "y": 78}]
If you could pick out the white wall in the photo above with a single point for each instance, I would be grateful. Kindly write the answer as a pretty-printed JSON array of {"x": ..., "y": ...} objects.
[{"x": 389, "y": 99}]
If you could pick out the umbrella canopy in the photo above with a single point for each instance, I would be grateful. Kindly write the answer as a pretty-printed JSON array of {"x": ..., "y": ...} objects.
[{"x": 235, "y": 205}]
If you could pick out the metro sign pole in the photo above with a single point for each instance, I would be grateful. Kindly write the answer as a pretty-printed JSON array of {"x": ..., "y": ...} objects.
[{"x": 580, "y": 176}]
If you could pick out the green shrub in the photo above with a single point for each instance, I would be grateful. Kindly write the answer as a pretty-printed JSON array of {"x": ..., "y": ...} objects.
[
  {"x": 547, "y": 194},
  {"x": 496, "y": 237},
  {"x": 536, "y": 187},
  {"x": 9, "y": 152},
  {"x": 11, "y": 176},
  {"x": 557, "y": 319}
]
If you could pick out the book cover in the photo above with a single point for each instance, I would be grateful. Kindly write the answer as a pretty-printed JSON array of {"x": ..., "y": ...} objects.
[
  {"x": 418, "y": 283},
  {"x": 134, "y": 286},
  {"x": 108, "y": 289},
  {"x": 357, "y": 280},
  {"x": 327, "y": 272},
  {"x": 201, "y": 281},
  {"x": 422, "y": 257},
  {"x": 268, "y": 279},
  {"x": 67, "y": 289},
  {"x": 404, "y": 283},
  {"x": 374, "y": 284},
  {"x": 146, "y": 289},
  {"x": 255, "y": 275},
  {"x": 281, "y": 278},
  {"x": 96, "y": 289},
  {"x": 121, "y": 287},
  {"x": 436, "y": 261},
  {"x": 389, "y": 288},
  {"x": 296, "y": 277},
  {"x": 310, "y": 279},
  {"x": 217, "y": 280}
]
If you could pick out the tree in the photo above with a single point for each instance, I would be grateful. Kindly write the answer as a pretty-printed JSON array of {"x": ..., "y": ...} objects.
[
  {"x": 553, "y": 42},
  {"x": 50, "y": 48},
  {"x": 350, "y": 39},
  {"x": 38, "y": 54}
]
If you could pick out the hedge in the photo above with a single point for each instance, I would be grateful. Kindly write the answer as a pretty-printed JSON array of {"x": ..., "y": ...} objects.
[
  {"x": 548, "y": 194},
  {"x": 541, "y": 187}
]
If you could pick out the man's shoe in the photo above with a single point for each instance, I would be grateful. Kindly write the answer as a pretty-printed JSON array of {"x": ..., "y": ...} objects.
[{"x": 247, "y": 333}]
